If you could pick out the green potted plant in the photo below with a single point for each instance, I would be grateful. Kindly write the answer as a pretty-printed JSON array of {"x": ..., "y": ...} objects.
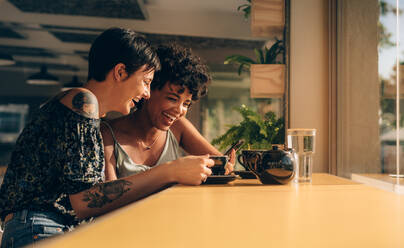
[
  {"x": 267, "y": 71},
  {"x": 273, "y": 55},
  {"x": 257, "y": 131}
]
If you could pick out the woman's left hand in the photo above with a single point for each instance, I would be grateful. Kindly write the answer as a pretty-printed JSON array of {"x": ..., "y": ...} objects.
[{"x": 230, "y": 164}]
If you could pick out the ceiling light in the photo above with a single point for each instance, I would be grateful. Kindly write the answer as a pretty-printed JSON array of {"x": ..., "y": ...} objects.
[
  {"x": 6, "y": 59},
  {"x": 75, "y": 83},
  {"x": 43, "y": 78}
]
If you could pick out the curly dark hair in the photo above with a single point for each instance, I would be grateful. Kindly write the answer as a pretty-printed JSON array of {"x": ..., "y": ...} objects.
[{"x": 180, "y": 66}]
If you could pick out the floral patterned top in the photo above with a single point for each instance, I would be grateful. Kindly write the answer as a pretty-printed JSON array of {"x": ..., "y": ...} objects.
[{"x": 58, "y": 153}]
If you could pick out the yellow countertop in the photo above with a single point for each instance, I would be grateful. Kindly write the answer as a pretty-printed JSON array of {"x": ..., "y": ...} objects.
[{"x": 330, "y": 212}]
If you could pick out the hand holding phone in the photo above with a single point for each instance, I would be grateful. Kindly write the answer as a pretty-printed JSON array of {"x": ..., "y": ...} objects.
[
  {"x": 232, "y": 158},
  {"x": 235, "y": 146}
]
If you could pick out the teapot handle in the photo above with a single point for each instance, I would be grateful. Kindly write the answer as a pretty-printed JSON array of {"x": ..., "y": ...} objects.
[
  {"x": 258, "y": 159},
  {"x": 241, "y": 162}
]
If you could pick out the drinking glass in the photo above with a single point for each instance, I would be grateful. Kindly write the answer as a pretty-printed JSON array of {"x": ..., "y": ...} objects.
[{"x": 302, "y": 140}]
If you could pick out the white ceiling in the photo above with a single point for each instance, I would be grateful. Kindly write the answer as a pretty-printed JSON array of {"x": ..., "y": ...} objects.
[
  {"x": 203, "y": 18},
  {"x": 199, "y": 5},
  {"x": 208, "y": 18},
  {"x": 200, "y": 18}
]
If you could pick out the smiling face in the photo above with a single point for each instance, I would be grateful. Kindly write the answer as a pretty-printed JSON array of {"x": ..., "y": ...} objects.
[
  {"x": 165, "y": 106},
  {"x": 133, "y": 88}
]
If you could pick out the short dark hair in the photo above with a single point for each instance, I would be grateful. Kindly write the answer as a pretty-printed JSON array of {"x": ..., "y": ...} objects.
[
  {"x": 118, "y": 45},
  {"x": 180, "y": 66}
]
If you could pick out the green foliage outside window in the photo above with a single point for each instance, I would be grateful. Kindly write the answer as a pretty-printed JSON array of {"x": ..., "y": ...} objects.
[{"x": 385, "y": 36}]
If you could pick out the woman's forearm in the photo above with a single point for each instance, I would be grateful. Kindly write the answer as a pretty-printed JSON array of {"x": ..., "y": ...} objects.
[{"x": 107, "y": 196}]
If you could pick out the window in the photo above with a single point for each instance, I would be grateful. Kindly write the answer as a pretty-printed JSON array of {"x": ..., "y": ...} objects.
[{"x": 368, "y": 60}]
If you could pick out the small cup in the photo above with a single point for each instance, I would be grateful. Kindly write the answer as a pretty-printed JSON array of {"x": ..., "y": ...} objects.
[{"x": 220, "y": 163}]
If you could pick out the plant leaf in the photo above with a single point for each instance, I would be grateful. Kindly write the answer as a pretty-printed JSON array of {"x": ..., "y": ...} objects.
[
  {"x": 238, "y": 59},
  {"x": 240, "y": 69},
  {"x": 247, "y": 12},
  {"x": 246, "y": 8},
  {"x": 260, "y": 56},
  {"x": 273, "y": 52},
  {"x": 242, "y": 6},
  {"x": 266, "y": 59}
]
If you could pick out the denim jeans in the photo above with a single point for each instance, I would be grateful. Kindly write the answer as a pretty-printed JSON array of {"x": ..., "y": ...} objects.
[{"x": 27, "y": 227}]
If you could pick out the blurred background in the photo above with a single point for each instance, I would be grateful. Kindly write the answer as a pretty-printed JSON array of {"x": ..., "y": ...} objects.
[{"x": 51, "y": 39}]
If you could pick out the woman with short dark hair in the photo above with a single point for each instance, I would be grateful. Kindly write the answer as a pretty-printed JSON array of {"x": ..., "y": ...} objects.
[{"x": 55, "y": 177}]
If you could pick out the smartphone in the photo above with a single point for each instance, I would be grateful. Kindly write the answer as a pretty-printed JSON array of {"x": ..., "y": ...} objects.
[{"x": 235, "y": 146}]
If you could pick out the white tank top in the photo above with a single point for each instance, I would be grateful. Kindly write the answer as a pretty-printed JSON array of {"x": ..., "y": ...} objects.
[{"x": 126, "y": 167}]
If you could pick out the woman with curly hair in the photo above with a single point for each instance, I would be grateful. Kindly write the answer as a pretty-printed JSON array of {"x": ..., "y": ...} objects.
[
  {"x": 153, "y": 133},
  {"x": 54, "y": 179}
]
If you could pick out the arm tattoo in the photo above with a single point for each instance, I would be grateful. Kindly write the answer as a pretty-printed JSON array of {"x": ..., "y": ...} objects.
[
  {"x": 105, "y": 193},
  {"x": 85, "y": 104}
]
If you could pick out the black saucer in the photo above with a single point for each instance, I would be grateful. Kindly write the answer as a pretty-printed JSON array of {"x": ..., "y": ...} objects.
[
  {"x": 220, "y": 179},
  {"x": 245, "y": 174}
]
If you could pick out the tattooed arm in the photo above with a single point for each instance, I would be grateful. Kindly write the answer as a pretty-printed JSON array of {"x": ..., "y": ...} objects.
[
  {"x": 82, "y": 101},
  {"x": 105, "y": 197}
]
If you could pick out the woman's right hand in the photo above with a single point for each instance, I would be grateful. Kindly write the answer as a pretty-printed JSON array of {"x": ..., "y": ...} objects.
[{"x": 191, "y": 170}]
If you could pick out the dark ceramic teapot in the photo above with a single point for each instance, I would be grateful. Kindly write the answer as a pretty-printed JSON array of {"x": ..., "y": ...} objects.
[{"x": 270, "y": 166}]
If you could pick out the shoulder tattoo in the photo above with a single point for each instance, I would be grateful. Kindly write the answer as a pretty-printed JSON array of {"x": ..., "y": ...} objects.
[
  {"x": 85, "y": 104},
  {"x": 106, "y": 193}
]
